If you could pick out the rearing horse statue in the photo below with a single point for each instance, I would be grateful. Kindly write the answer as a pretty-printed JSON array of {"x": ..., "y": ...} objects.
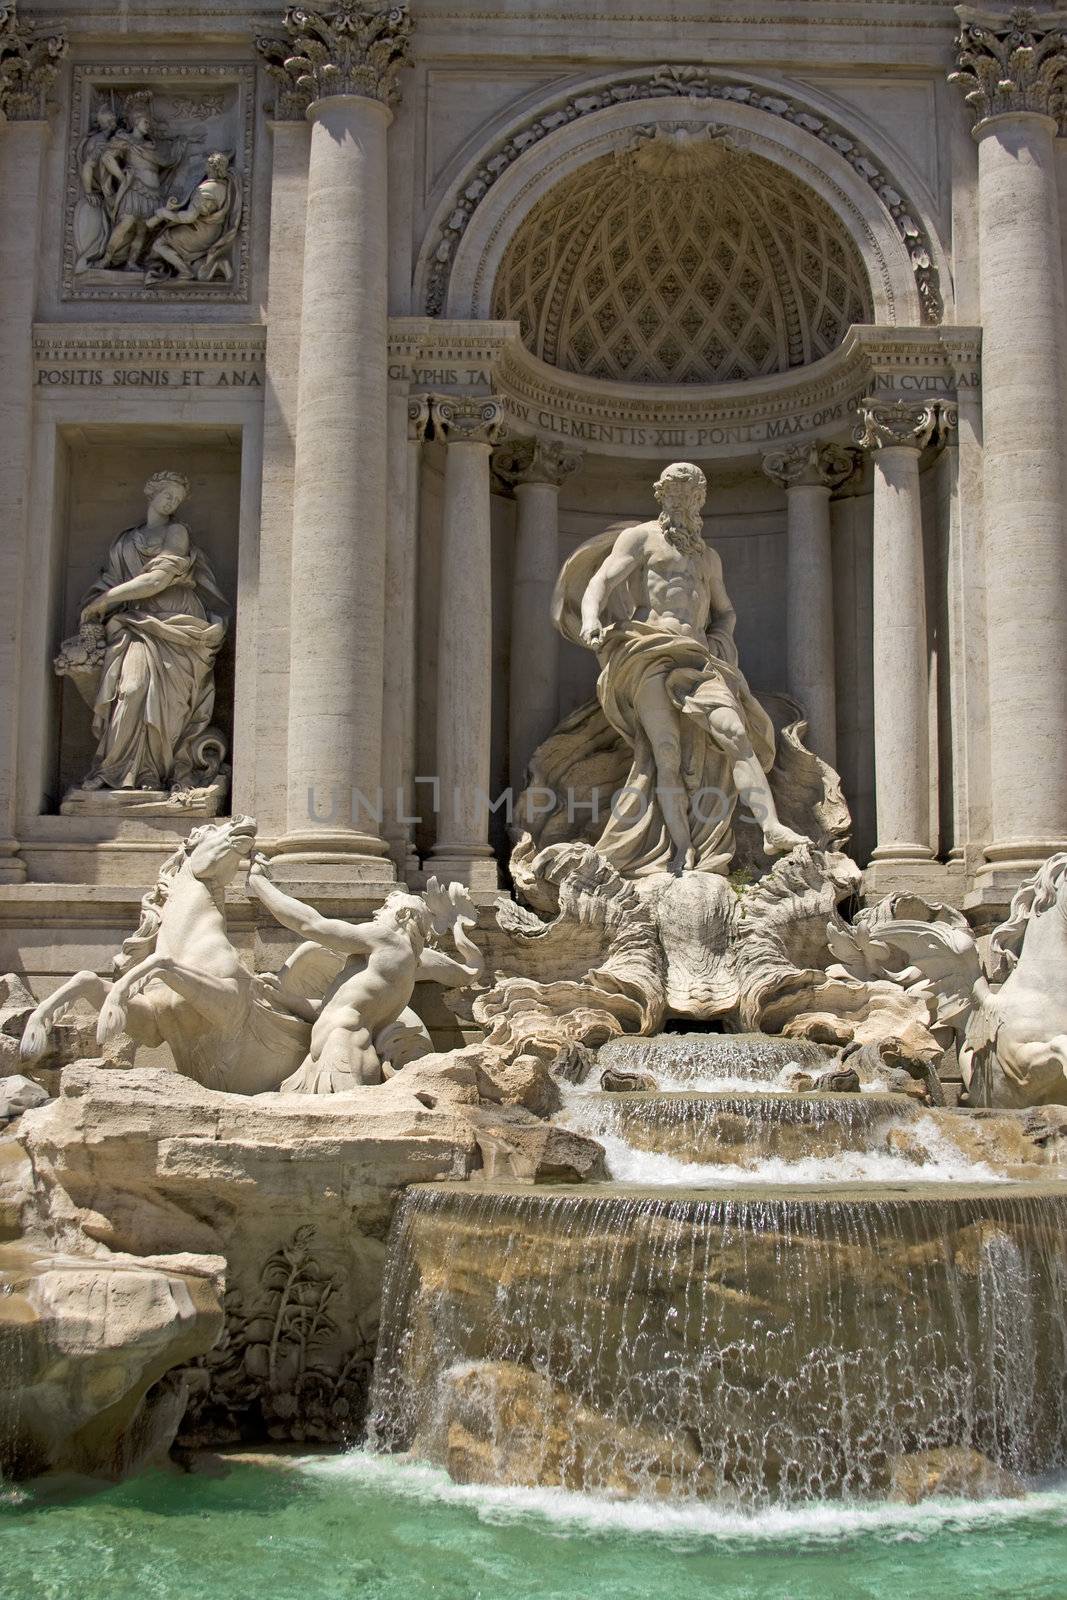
[
  {"x": 1015, "y": 1050},
  {"x": 178, "y": 980}
]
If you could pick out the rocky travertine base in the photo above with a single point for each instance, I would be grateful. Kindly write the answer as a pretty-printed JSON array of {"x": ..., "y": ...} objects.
[
  {"x": 295, "y": 1192},
  {"x": 91, "y": 1356}
]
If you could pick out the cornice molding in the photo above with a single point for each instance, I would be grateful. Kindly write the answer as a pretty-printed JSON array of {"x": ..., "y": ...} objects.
[{"x": 718, "y": 421}]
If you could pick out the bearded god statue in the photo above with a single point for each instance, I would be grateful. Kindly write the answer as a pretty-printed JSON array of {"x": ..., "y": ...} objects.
[
  {"x": 650, "y": 601},
  {"x": 144, "y": 660}
]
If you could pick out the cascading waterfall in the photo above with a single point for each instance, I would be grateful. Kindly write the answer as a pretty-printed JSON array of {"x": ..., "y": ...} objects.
[
  {"x": 756, "y": 1347},
  {"x": 749, "y": 1127},
  {"x": 742, "y": 1061}
]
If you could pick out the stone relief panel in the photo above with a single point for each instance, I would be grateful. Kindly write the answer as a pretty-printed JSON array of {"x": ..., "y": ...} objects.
[{"x": 157, "y": 183}]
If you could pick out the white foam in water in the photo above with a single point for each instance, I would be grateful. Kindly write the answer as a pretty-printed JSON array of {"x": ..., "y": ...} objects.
[
  {"x": 650, "y": 1168},
  {"x": 826, "y": 1522},
  {"x": 944, "y": 1162}
]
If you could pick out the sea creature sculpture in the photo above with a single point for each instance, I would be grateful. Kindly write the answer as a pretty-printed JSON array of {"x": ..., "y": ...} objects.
[
  {"x": 1015, "y": 1050},
  {"x": 364, "y": 1017},
  {"x": 179, "y": 980}
]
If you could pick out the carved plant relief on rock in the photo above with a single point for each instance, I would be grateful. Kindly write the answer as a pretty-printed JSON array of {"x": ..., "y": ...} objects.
[{"x": 157, "y": 203}]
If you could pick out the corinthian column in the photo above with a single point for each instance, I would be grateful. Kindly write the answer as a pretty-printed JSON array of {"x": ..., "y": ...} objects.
[
  {"x": 536, "y": 471},
  {"x": 339, "y": 69},
  {"x": 470, "y": 428},
  {"x": 1013, "y": 70},
  {"x": 28, "y": 65},
  {"x": 895, "y": 433},
  {"x": 809, "y": 473},
  {"x": 409, "y": 418}
]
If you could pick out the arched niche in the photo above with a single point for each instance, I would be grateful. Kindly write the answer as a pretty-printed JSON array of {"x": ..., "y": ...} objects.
[{"x": 474, "y": 225}]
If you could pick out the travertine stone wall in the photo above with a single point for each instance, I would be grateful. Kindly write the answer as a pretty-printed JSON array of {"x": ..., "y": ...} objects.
[{"x": 496, "y": 110}]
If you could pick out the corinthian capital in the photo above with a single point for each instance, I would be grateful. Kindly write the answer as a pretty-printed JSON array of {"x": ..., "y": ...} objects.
[
  {"x": 535, "y": 461},
  {"x": 356, "y": 47},
  {"x": 1012, "y": 62},
  {"x": 458, "y": 419},
  {"x": 901, "y": 422},
  {"x": 28, "y": 66},
  {"x": 813, "y": 465}
]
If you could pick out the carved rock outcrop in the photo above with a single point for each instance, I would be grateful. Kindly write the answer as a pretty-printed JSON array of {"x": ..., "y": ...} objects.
[
  {"x": 87, "y": 1345},
  {"x": 295, "y": 1192}
]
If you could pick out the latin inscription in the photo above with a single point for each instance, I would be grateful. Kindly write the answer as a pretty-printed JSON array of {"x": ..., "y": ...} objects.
[
  {"x": 673, "y": 438},
  {"x": 440, "y": 377},
  {"x": 147, "y": 378}
]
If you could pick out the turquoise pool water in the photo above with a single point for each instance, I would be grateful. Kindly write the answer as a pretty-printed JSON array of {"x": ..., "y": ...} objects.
[{"x": 358, "y": 1528}]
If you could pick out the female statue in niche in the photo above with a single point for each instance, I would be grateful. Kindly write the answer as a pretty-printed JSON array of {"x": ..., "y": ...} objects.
[{"x": 163, "y": 619}]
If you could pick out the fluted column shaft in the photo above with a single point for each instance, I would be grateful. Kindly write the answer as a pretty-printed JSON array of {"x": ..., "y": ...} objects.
[
  {"x": 1012, "y": 68},
  {"x": 1024, "y": 400},
  {"x": 338, "y": 67},
  {"x": 809, "y": 474},
  {"x": 28, "y": 65},
  {"x": 536, "y": 471},
  {"x": 288, "y": 198},
  {"x": 896, "y": 435},
  {"x": 339, "y": 509},
  {"x": 408, "y": 421},
  {"x": 22, "y": 151},
  {"x": 901, "y": 735},
  {"x": 469, "y": 428}
]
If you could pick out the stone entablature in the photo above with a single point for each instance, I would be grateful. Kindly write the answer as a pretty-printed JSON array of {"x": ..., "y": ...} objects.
[
  {"x": 715, "y": 421},
  {"x": 92, "y": 357}
]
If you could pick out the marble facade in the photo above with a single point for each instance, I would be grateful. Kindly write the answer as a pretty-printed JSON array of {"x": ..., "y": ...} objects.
[{"x": 463, "y": 287}]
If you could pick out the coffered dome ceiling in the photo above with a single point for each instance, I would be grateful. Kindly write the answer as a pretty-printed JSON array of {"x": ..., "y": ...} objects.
[{"x": 682, "y": 260}]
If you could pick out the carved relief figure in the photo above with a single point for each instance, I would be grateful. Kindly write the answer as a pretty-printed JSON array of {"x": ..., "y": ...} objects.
[
  {"x": 92, "y": 211},
  {"x": 192, "y": 239},
  {"x": 371, "y": 989},
  {"x": 151, "y": 675},
  {"x": 148, "y": 213},
  {"x": 651, "y": 603},
  {"x": 137, "y": 168}
]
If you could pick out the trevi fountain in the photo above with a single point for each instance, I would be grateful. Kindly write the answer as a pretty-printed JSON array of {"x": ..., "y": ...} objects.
[{"x": 533, "y": 800}]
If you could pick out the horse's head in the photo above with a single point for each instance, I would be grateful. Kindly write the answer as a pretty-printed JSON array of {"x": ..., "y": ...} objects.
[{"x": 216, "y": 851}]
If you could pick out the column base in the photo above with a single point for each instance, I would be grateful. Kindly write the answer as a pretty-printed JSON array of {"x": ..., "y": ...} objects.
[
  {"x": 329, "y": 855},
  {"x": 1005, "y": 869},
  {"x": 404, "y": 857},
  {"x": 454, "y": 864},
  {"x": 12, "y": 866},
  {"x": 933, "y": 881}
]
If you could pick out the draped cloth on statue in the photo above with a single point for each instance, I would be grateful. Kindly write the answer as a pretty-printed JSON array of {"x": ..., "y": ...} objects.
[
  {"x": 156, "y": 693},
  {"x": 697, "y": 680}
]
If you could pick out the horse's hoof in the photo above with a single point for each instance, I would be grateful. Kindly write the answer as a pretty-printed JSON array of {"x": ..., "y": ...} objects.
[
  {"x": 34, "y": 1043},
  {"x": 112, "y": 1020}
]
